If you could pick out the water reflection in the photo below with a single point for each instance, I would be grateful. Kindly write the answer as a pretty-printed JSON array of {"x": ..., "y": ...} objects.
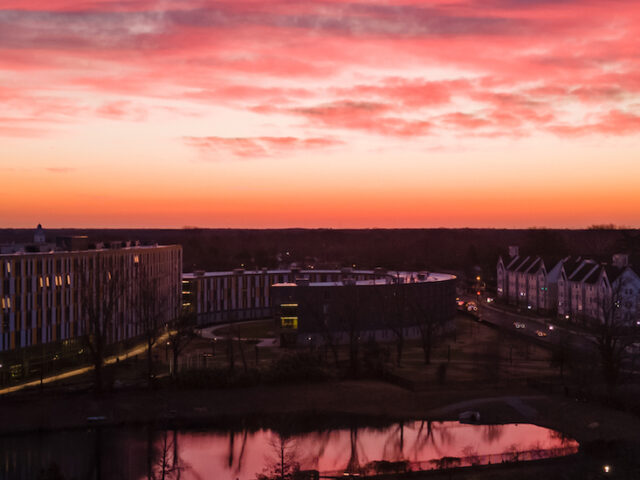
[{"x": 148, "y": 453}]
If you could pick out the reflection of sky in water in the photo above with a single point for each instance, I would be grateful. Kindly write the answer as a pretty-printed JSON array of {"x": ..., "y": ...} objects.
[
  {"x": 243, "y": 455},
  {"x": 130, "y": 452}
]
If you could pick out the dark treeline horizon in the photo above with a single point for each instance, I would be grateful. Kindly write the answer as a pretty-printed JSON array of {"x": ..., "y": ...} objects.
[{"x": 448, "y": 249}]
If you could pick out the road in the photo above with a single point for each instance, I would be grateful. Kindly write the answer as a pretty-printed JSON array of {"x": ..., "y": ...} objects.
[{"x": 555, "y": 336}]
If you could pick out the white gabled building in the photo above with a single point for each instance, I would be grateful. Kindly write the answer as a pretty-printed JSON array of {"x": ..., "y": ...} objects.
[
  {"x": 588, "y": 290},
  {"x": 528, "y": 281}
]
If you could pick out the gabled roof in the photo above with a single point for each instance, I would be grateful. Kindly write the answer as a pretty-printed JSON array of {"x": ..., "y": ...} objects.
[
  {"x": 551, "y": 262},
  {"x": 527, "y": 264},
  {"x": 594, "y": 275},
  {"x": 585, "y": 270},
  {"x": 513, "y": 262},
  {"x": 573, "y": 266}
]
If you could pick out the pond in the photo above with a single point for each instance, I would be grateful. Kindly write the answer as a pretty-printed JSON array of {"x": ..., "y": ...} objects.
[{"x": 144, "y": 452}]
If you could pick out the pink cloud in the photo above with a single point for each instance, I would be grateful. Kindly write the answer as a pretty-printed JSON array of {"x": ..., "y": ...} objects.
[
  {"x": 255, "y": 147},
  {"x": 60, "y": 169},
  {"x": 516, "y": 58},
  {"x": 614, "y": 122},
  {"x": 122, "y": 109}
]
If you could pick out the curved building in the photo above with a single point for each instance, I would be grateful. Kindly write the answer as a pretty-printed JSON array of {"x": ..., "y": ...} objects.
[
  {"x": 381, "y": 308},
  {"x": 315, "y": 306}
]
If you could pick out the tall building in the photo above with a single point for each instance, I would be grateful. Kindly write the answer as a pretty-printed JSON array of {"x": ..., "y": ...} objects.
[{"x": 45, "y": 297}]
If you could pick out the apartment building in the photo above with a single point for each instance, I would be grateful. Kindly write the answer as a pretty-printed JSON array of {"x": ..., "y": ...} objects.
[
  {"x": 576, "y": 289},
  {"x": 44, "y": 295},
  {"x": 530, "y": 282}
]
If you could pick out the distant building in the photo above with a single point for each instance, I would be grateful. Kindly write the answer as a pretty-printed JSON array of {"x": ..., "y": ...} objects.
[
  {"x": 217, "y": 297},
  {"x": 245, "y": 294},
  {"x": 575, "y": 288},
  {"x": 39, "y": 237},
  {"x": 593, "y": 291},
  {"x": 379, "y": 308},
  {"x": 529, "y": 282},
  {"x": 39, "y": 244}
]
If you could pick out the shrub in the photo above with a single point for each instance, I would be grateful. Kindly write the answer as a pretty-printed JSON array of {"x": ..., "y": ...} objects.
[
  {"x": 217, "y": 378},
  {"x": 296, "y": 367}
]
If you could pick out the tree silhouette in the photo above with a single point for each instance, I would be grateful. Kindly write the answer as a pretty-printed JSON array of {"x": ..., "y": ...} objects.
[{"x": 102, "y": 287}]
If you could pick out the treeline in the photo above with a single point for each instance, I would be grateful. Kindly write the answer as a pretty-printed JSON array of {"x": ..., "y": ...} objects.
[{"x": 435, "y": 249}]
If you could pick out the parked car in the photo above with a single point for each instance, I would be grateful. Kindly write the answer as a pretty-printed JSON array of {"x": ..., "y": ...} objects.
[
  {"x": 540, "y": 333},
  {"x": 519, "y": 324}
]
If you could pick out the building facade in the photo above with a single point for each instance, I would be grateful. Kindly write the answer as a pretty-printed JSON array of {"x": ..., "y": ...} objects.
[
  {"x": 240, "y": 294},
  {"x": 381, "y": 308},
  {"x": 530, "y": 282},
  {"x": 43, "y": 296},
  {"x": 576, "y": 289}
]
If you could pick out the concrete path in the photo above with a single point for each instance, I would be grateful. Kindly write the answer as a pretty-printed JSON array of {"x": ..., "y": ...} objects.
[
  {"x": 210, "y": 333},
  {"x": 136, "y": 350},
  {"x": 517, "y": 403}
]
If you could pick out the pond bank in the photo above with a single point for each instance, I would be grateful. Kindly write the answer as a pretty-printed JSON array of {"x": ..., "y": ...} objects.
[{"x": 333, "y": 400}]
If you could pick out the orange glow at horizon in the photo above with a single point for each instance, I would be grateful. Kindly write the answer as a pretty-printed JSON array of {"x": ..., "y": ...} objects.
[{"x": 307, "y": 114}]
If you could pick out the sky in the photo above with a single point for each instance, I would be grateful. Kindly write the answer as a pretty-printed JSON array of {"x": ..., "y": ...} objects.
[{"x": 283, "y": 113}]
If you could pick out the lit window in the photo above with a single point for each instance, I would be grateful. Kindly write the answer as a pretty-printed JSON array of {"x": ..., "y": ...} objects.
[
  {"x": 68, "y": 279},
  {"x": 136, "y": 259},
  {"x": 47, "y": 280},
  {"x": 40, "y": 281},
  {"x": 8, "y": 268}
]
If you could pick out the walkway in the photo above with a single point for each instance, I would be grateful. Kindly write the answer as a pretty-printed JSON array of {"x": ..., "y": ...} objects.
[
  {"x": 515, "y": 402},
  {"x": 136, "y": 350},
  {"x": 209, "y": 332}
]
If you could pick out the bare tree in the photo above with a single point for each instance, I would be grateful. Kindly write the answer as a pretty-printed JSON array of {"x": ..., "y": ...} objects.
[
  {"x": 283, "y": 464},
  {"x": 181, "y": 333},
  {"x": 349, "y": 318},
  {"x": 150, "y": 309},
  {"x": 429, "y": 324},
  {"x": 321, "y": 317},
  {"x": 613, "y": 334},
  {"x": 393, "y": 309},
  {"x": 164, "y": 456},
  {"x": 101, "y": 289}
]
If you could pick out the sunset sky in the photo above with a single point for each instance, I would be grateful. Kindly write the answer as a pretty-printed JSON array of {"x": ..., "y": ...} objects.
[{"x": 282, "y": 113}]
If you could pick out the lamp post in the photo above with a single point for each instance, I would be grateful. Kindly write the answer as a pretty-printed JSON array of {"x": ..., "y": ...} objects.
[{"x": 478, "y": 295}]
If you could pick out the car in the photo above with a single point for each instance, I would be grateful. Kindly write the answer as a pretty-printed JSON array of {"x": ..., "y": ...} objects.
[
  {"x": 472, "y": 307},
  {"x": 540, "y": 333},
  {"x": 489, "y": 300},
  {"x": 460, "y": 302},
  {"x": 519, "y": 324}
]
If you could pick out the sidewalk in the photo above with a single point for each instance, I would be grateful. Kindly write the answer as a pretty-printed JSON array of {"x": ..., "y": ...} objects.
[{"x": 136, "y": 350}]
